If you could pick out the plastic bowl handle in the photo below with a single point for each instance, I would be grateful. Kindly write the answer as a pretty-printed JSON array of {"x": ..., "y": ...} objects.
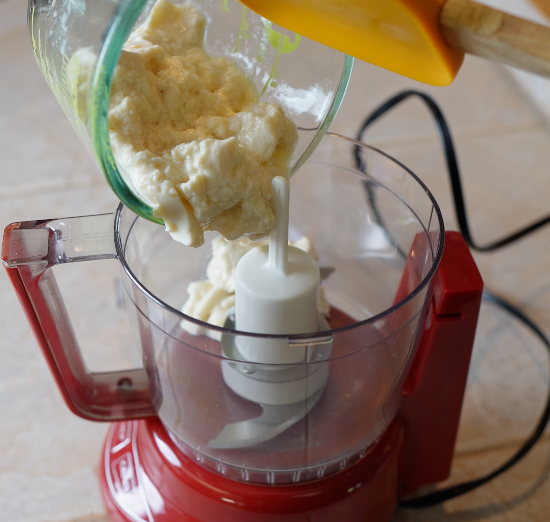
[{"x": 29, "y": 250}]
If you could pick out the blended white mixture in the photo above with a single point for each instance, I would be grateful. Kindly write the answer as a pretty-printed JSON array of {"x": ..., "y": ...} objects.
[
  {"x": 188, "y": 131},
  {"x": 212, "y": 299}
]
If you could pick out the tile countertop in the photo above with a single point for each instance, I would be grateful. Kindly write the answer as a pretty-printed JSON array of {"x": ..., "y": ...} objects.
[{"x": 49, "y": 457}]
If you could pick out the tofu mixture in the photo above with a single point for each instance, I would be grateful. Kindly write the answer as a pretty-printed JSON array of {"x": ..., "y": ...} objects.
[
  {"x": 212, "y": 299},
  {"x": 188, "y": 131}
]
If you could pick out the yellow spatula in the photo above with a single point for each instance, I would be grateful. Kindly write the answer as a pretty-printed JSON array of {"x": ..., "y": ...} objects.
[{"x": 421, "y": 39}]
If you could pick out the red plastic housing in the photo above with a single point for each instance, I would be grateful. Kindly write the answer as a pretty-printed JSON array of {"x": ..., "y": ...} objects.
[{"x": 144, "y": 477}]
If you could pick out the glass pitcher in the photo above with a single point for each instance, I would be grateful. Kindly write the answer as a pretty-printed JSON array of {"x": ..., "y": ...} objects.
[
  {"x": 368, "y": 217},
  {"x": 306, "y": 78}
]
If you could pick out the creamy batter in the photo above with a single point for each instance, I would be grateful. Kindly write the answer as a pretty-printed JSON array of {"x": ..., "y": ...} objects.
[
  {"x": 188, "y": 131},
  {"x": 212, "y": 299}
]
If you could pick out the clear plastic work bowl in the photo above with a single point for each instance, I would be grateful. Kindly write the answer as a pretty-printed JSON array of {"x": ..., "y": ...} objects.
[
  {"x": 306, "y": 78},
  {"x": 367, "y": 216}
]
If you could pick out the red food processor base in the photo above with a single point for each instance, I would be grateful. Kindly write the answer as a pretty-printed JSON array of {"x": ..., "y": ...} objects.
[{"x": 145, "y": 477}]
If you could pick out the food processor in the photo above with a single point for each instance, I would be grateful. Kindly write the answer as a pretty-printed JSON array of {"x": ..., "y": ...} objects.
[
  {"x": 358, "y": 413},
  {"x": 367, "y": 411}
]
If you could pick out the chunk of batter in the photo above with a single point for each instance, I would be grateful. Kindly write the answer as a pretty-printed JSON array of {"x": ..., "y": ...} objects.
[{"x": 189, "y": 132}]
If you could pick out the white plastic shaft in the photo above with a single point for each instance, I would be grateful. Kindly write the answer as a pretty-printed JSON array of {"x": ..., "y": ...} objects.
[
  {"x": 276, "y": 292},
  {"x": 278, "y": 239}
]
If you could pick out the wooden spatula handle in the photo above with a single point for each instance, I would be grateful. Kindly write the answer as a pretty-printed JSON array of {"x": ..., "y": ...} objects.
[{"x": 497, "y": 36}]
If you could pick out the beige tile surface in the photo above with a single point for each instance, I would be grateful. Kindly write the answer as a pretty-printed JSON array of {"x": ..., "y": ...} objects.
[
  {"x": 34, "y": 127},
  {"x": 48, "y": 457},
  {"x": 481, "y": 98},
  {"x": 12, "y": 17},
  {"x": 520, "y": 495}
]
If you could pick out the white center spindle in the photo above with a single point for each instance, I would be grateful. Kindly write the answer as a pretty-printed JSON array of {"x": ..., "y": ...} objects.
[{"x": 277, "y": 289}]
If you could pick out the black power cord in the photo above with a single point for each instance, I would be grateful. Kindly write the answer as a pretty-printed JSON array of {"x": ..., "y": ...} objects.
[
  {"x": 452, "y": 166},
  {"x": 460, "y": 208}
]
